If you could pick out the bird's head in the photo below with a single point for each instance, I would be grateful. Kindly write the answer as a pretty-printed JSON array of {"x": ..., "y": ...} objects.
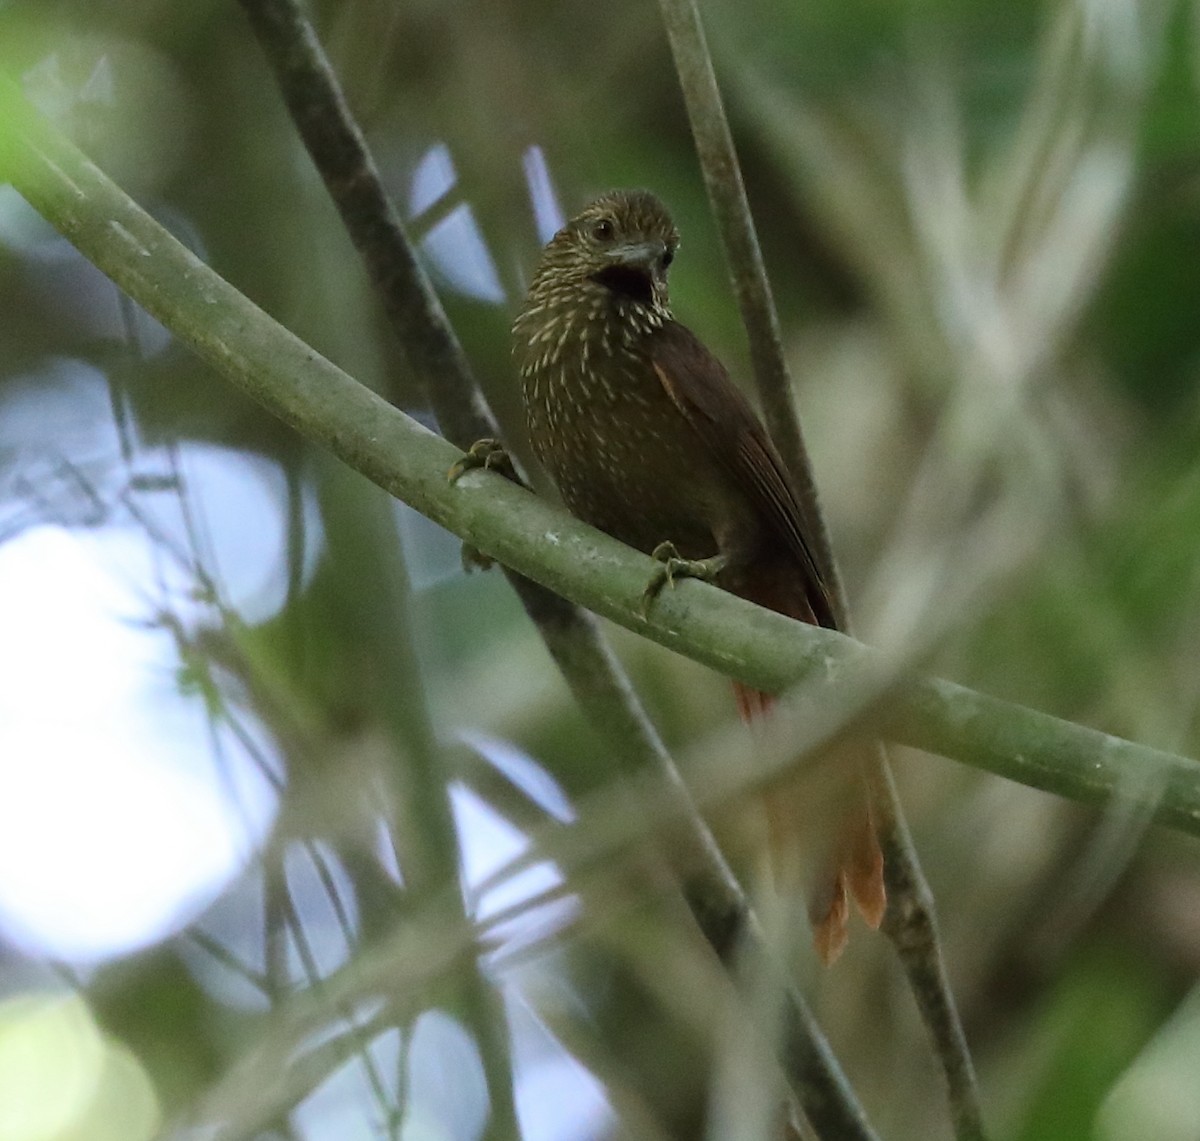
[{"x": 621, "y": 245}]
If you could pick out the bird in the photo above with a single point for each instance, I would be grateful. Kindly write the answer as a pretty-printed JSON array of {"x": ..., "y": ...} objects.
[{"x": 647, "y": 438}]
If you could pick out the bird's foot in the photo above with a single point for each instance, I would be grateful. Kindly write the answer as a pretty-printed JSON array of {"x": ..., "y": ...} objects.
[
  {"x": 674, "y": 567},
  {"x": 474, "y": 559},
  {"x": 488, "y": 454},
  {"x": 491, "y": 456}
]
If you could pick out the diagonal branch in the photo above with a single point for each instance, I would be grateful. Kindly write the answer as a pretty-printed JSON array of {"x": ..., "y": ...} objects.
[
  {"x": 761, "y": 648},
  {"x": 727, "y": 197},
  {"x": 319, "y": 111}
]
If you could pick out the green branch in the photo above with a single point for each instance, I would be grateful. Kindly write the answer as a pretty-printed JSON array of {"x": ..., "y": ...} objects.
[{"x": 542, "y": 541}]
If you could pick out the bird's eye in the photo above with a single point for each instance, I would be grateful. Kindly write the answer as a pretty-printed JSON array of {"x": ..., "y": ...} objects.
[
  {"x": 603, "y": 230},
  {"x": 668, "y": 257}
]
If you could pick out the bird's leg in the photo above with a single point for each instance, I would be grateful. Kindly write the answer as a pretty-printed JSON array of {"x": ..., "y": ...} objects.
[
  {"x": 674, "y": 567},
  {"x": 488, "y": 454}
]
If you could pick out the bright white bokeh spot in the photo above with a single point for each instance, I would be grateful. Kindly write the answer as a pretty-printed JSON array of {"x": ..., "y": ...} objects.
[
  {"x": 445, "y": 1095},
  {"x": 547, "y": 213},
  {"x": 520, "y": 768},
  {"x": 558, "y": 1098},
  {"x": 488, "y": 843},
  {"x": 234, "y": 510},
  {"x": 329, "y": 925},
  {"x": 460, "y": 255},
  {"x": 225, "y": 509},
  {"x": 61, "y": 410},
  {"x": 453, "y": 244},
  {"x": 433, "y": 178},
  {"x": 116, "y": 821}
]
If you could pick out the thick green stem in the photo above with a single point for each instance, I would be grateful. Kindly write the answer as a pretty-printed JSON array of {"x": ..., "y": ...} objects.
[{"x": 542, "y": 541}]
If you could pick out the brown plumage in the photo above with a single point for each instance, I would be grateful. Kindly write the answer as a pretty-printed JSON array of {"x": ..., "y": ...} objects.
[{"x": 648, "y": 439}]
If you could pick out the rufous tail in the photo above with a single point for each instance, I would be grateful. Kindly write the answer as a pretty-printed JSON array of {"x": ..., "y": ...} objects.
[{"x": 855, "y": 867}]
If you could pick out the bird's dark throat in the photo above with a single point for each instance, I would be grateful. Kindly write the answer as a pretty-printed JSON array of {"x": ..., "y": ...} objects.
[{"x": 627, "y": 281}]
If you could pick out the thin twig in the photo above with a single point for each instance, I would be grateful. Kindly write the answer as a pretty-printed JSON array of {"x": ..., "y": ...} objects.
[
  {"x": 727, "y": 198},
  {"x": 226, "y": 957},
  {"x": 276, "y": 928},
  {"x": 911, "y": 922}
]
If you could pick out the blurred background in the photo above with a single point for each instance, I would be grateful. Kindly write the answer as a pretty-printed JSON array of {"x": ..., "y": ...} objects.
[{"x": 257, "y": 724}]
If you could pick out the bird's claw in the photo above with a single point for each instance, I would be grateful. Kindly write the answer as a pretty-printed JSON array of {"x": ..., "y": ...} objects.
[
  {"x": 488, "y": 454},
  {"x": 474, "y": 559},
  {"x": 673, "y": 567}
]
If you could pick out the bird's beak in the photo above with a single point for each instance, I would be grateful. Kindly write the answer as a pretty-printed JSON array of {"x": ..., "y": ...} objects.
[{"x": 646, "y": 256}]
